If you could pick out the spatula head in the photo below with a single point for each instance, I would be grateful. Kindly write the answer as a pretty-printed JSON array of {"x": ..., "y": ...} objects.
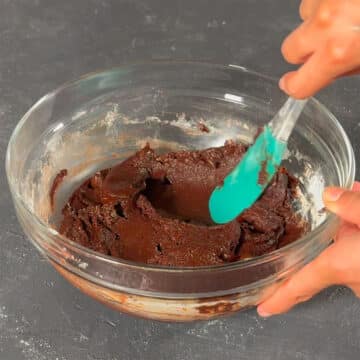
[{"x": 247, "y": 181}]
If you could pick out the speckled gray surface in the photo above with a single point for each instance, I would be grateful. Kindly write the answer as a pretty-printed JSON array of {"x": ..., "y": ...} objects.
[{"x": 44, "y": 43}]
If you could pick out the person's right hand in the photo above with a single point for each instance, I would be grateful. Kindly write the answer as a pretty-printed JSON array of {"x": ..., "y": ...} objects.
[{"x": 327, "y": 44}]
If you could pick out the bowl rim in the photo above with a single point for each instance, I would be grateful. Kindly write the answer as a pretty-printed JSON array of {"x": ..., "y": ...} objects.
[{"x": 245, "y": 263}]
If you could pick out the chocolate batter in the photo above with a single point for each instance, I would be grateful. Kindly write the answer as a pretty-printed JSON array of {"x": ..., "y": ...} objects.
[{"x": 154, "y": 209}]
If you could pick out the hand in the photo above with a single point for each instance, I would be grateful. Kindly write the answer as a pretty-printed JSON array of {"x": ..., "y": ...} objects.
[
  {"x": 339, "y": 264},
  {"x": 327, "y": 44}
]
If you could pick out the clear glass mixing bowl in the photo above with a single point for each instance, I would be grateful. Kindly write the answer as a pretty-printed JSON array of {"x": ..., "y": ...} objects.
[{"x": 96, "y": 121}]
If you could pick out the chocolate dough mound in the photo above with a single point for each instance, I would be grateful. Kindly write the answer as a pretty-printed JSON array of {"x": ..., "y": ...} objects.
[{"x": 154, "y": 209}]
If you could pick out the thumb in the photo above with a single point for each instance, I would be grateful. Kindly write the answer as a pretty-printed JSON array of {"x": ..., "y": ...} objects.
[{"x": 344, "y": 203}]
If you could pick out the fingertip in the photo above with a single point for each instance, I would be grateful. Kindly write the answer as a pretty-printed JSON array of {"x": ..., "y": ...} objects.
[
  {"x": 312, "y": 76},
  {"x": 288, "y": 52},
  {"x": 344, "y": 203},
  {"x": 304, "y": 11},
  {"x": 263, "y": 312},
  {"x": 284, "y": 82},
  {"x": 293, "y": 88},
  {"x": 294, "y": 54},
  {"x": 278, "y": 303},
  {"x": 332, "y": 194},
  {"x": 356, "y": 186},
  {"x": 331, "y": 197},
  {"x": 288, "y": 84}
]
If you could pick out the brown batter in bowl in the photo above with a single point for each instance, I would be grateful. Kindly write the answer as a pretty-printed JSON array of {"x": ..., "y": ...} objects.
[{"x": 154, "y": 209}]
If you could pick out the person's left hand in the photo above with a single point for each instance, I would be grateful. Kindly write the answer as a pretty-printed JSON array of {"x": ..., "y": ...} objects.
[{"x": 339, "y": 264}]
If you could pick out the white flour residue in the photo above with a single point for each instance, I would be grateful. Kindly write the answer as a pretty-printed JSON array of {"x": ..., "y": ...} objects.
[
  {"x": 3, "y": 319},
  {"x": 38, "y": 350},
  {"x": 3, "y": 315},
  {"x": 16, "y": 327},
  {"x": 217, "y": 330},
  {"x": 312, "y": 182},
  {"x": 81, "y": 338}
]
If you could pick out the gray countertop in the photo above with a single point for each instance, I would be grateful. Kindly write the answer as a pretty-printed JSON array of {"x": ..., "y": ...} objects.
[{"x": 44, "y": 43}]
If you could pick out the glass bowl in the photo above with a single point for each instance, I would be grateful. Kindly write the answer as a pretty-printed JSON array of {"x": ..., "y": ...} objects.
[{"x": 94, "y": 122}]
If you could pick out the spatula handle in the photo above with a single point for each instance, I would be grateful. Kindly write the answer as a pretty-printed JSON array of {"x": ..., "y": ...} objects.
[{"x": 284, "y": 121}]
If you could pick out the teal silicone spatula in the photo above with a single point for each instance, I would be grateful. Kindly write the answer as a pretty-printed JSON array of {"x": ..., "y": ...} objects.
[{"x": 247, "y": 181}]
